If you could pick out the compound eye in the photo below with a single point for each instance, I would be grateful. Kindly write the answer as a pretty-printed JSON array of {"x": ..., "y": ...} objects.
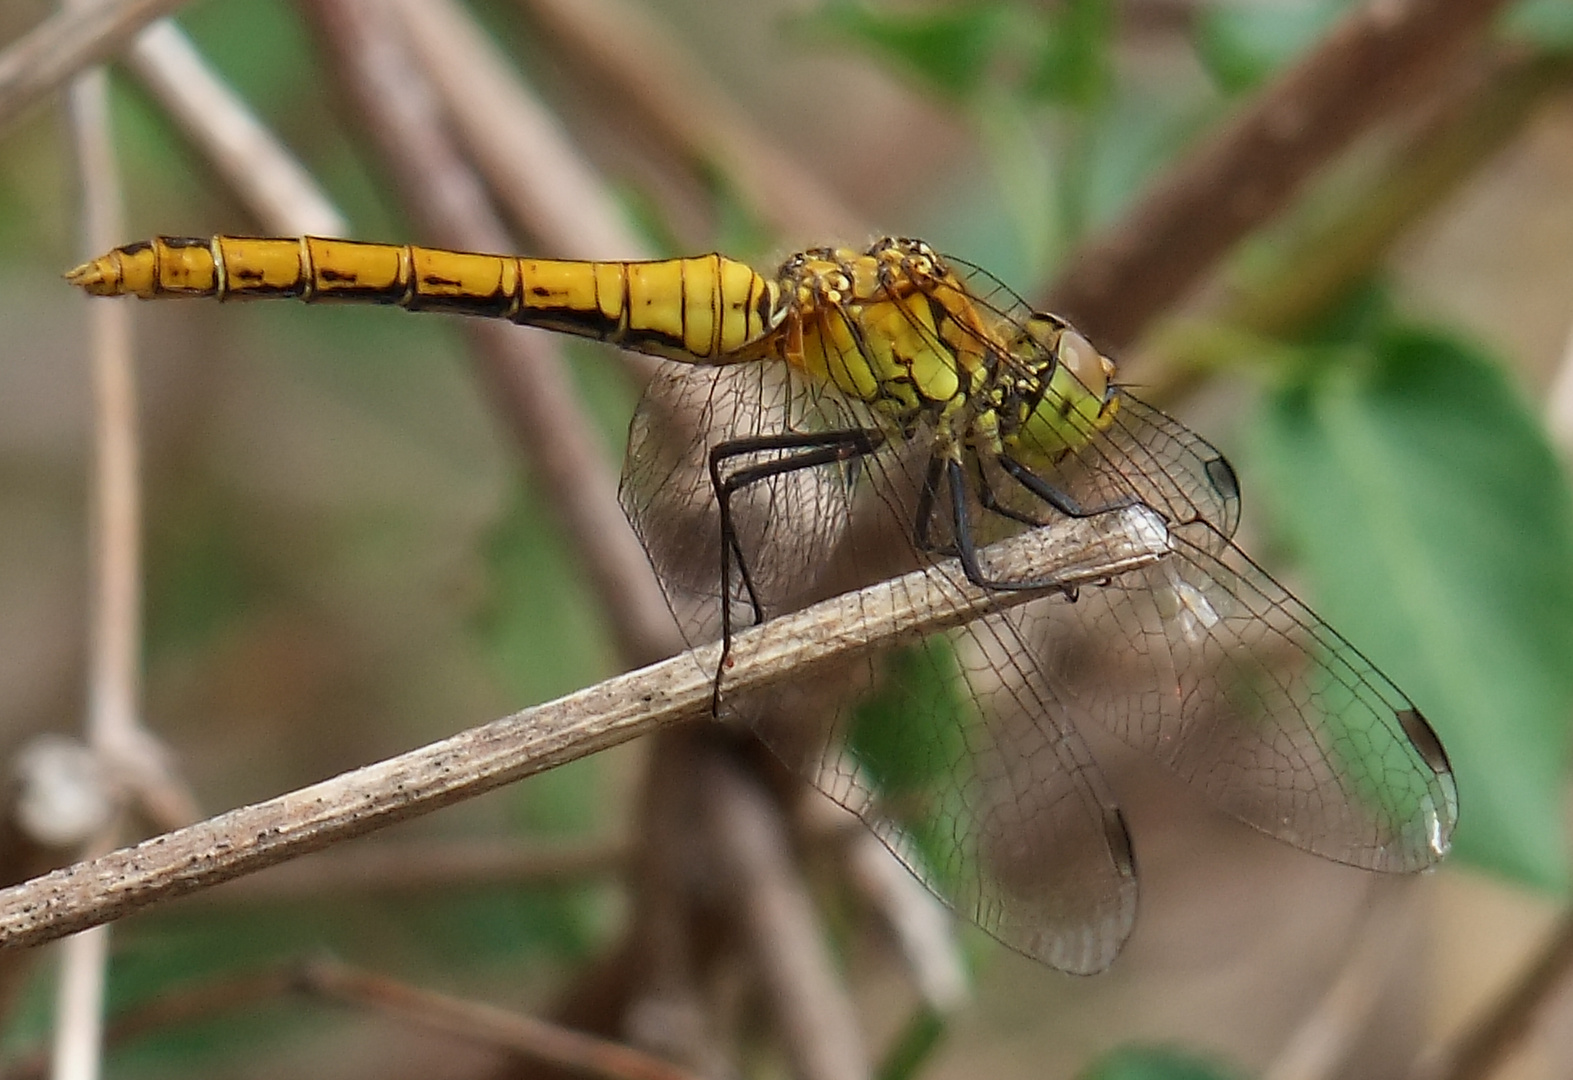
[{"x": 1089, "y": 366}]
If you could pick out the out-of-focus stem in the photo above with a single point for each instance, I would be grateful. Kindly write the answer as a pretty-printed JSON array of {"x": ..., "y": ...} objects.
[{"x": 1376, "y": 60}]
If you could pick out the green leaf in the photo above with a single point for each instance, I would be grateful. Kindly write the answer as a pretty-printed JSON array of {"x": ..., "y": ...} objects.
[
  {"x": 1435, "y": 524},
  {"x": 1241, "y": 44},
  {"x": 948, "y": 49},
  {"x": 909, "y": 738},
  {"x": 541, "y": 632},
  {"x": 914, "y": 1047},
  {"x": 1153, "y": 1063},
  {"x": 1075, "y": 66},
  {"x": 1547, "y": 24}
]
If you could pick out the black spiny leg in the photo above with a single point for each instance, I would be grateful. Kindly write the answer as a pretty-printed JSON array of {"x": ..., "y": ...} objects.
[
  {"x": 1060, "y": 500},
  {"x": 967, "y": 548},
  {"x": 990, "y": 502},
  {"x": 813, "y": 450},
  {"x": 928, "y": 495}
]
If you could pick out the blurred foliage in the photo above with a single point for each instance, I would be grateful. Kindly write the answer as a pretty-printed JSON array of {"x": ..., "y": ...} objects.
[
  {"x": 909, "y": 736},
  {"x": 1155, "y": 1063},
  {"x": 914, "y": 1047},
  {"x": 1242, "y": 44},
  {"x": 1545, "y": 24},
  {"x": 1408, "y": 476},
  {"x": 1011, "y": 68}
]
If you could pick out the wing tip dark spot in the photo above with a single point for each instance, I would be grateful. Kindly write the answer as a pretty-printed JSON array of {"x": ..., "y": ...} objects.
[
  {"x": 1117, "y": 833},
  {"x": 1423, "y": 737},
  {"x": 1225, "y": 480}
]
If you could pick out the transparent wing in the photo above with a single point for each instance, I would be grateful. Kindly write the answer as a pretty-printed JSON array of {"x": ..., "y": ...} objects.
[
  {"x": 959, "y": 764},
  {"x": 790, "y": 528},
  {"x": 1207, "y": 663}
]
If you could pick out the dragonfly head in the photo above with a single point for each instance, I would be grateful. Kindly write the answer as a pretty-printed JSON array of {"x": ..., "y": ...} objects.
[
  {"x": 1078, "y": 397},
  {"x": 1072, "y": 353}
]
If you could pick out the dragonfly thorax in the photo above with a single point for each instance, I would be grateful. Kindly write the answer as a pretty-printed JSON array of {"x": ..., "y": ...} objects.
[{"x": 898, "y": 328}]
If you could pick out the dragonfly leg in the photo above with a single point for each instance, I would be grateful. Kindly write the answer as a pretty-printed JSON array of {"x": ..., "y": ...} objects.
[
  {"x": 807, "y": 450},
  {"x": 1062, "y": 501},
  {"x": 928, "y": 495},
  {"x": 990, "y": 502},
  {"x": 967, "y": 547},
  {"x": 923, "y": 519}
]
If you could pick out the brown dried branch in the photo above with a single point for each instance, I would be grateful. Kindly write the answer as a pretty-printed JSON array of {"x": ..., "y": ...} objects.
[
  {"x": 755, "y": 859},
  {"x": 278, "y": 191},
  {"x": 1478, "y": 114},
  {"x": 515, "y": 141},
  {"x": 522, "y": 370},
  {"x": 852, "y": 625},
  {"x": 526, "y": 380},
  {"x": 1481, "y": 110},
  {"x": 171, "y": 1009},
  {"x": 486, "y": 1024},
  {"x": 623, "y": 46},
  {"x": 1372, "y": 64},
  {"x": 65, "y": 43},
  {"x": 1492, "y": 1037}
]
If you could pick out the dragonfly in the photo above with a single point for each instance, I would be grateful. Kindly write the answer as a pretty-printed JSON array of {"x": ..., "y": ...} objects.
[{"x": 864, "y": 413}]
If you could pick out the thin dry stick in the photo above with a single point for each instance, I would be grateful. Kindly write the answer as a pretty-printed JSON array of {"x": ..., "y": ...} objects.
[
  {"x": 516, "y": 143},
  {"x": 1491, "y": 1038},
  {"x": 174, "y": 1008},
  {"x": 1371, "y": 64},
  {"x": 820, "y": 1024},
  {"x": 1330, "y": 1029},
  {"x": 624, "y": 46},
  {"x": 1559, "y": 400},
  {"x": 77, "y": 1047},
  {"x": 270, "y": 183},
  {"x": 1475, "y": 117},
  {"x": 523, "y": 370},
  {"x": 115, "y": 614},
  {"x": 114, "y": 726},
  {"x": 488, "y": 1025},
  {"x": 1074, "y": 552},
  {"x": 923, "y": 927},
  {"x": 65, "y": 43}
]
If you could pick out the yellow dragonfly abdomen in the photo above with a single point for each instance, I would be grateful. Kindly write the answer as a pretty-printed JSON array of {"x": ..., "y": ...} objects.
[{"x": 706, "y": 308}]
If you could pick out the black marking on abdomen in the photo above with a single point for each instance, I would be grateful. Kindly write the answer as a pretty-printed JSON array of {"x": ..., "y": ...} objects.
[
  {"x": 591, "y": 324},
  {"x": 657, "y": 342},
  {"x": 252, "y": 283}
]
